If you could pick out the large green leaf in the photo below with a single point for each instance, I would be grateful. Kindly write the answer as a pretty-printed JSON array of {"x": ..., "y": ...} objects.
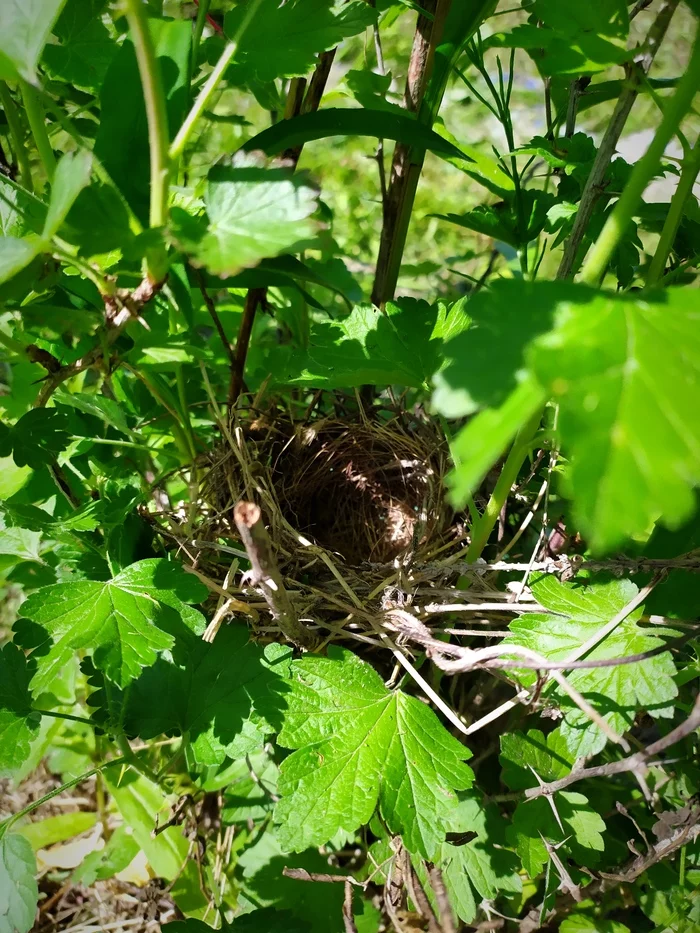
[
  {"x": 72, "y": 175},
  {"x": 252, "y": 213},
  {"x": 122, "y": 139},
  {"x": 124, "y": 622},
  {"x": 25, "y": 26},
  {"x": 617, "y": 692},
  {"x": 297, "y": 31},
  {"x": 19, "y": 891},
  {"x": 359, "y": 747},
  {"x": 36, "y": 439},
  {"x": 86, "y": 48},
  {"x": 626, "y": 374},
  {"x": 19, "y": 726},
  {"x": 220, "y": 713},
  {"x": 402, "y": 346}
]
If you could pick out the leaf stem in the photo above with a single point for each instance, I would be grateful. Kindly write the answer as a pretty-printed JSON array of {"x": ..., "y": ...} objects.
[
  {"x": 481, "y": 530},
  {"x": 205, "y": 95},
  {"x": 130, "y": 758},
  {"x": 643, "y": 171},
  {"x": 158, "y": 137},
  {"x": 689, "y": 172},
  {"x": 13, "y": 121},
  {"x": 37, "y": 123},
  {"x": 69, "y": 716}
]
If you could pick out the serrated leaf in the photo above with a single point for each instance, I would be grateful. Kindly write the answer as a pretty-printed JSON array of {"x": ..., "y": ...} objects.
[
  {"x": 535, "y": 818},
  {"x": 37, "y": 520},
  {"x": 106, "y": 409},
  {"x": 297, "y": 31},
  {"x": 86, "y": 48},
  {"x": 122, "y": 621},
  {"x": 252, "y": 213},
  {"x": 19, "y": 726},
  {"x": 523, "y": 753},
  {"x": 119, "y": 850},
  {"x": 19, "y": 891},
  {"x": 72, "y": 175},
  {"x": 220, "y": 713},
  {"x": 514, "y": 224},
  {"x": 15, "y": 254},
  {"x": 25, "y": 26},
  {"x": 361, "y": 747},
  {"x": 617, "y": 692},
  {"x": 402, "y": 345},
  {"x": 20, "y": 211},
  {"x": 483, "y": 864},
  {"x": 23, "y": 543},
  {"x": 36, "y": 439},
  {"x": 247, "y": 798}
]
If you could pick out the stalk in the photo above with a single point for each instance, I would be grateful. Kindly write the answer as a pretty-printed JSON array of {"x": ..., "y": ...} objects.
[
  {"x": 643, "y": 172},
  {"x": 37, "y": 124},
  {"x": 13, "y": 121},
  {"x": 207, "y": 91},
  {"x": 689, "y": 172},
  {"x": 158, "y": 137},
  {"x": 481, "y": 530}
]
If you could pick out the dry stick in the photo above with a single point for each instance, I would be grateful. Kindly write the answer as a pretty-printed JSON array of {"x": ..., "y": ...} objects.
[
  {"x": 419, "y": 896},
  {"x": 266, "y": 575},
  {"x": 301, "y": 874},
  {"x": 407, "y": 162},
  {"x": 639, "y": 761},
  {"x": 254, "y": 298},
  {"x": 636, "y": 75},
  {"x": 443, "y": 901},
  {"x": 348, "y": 919}
]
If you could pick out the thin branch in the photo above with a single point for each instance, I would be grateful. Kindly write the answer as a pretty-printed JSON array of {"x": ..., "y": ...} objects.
[
  {"x": 569, "y": 567},
  {"x": 121, "y": 308},
  {"x": 301, "y": 874},
  {"x": 211, "y": 308},
  {"x": 420, "y": 898},
  {"x": 638, "y": 7},
  {"x": 253, "y": 299},
  {"x": 266, "y": 575},
  {"x": 640, "y": 761},
  {"x": 595, "y": 184},
  {"x": 443, "y": 901},
  {"x": 348, "y": 919}
]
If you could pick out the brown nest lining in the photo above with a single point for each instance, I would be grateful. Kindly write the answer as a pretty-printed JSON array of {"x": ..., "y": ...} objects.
[{"x": 364, "y": 491}]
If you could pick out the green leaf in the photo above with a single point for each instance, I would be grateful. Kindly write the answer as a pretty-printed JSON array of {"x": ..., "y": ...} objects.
[
  {"x": 221, "y": 714},
  {"x": 585, "y": 923},
  {"x": 106, "y": 409},
  {"x": 297, "y": 31},
  {"x": 122, "y": 140},
  {"x": 626, "y": 373},
  {"x": 15, "y": 255},
  {"x": 119, "y": 851},
  {"x": 86, "y": 48},
  {"x": 252, "y": 213},
  {"x": 513, "y": 223},
  {"x": 533, "y": 819},
  {"x": 37, "y": 520},
  {"x": 72, "y": 175},
  {"x": 124, "y": 621},
  {"x": 25, "y": 26},
  {"x": 36, "y": 439},
  {"x": 360, "y": 747},
  {"x": 483, "y": 864},
  {"x": 618, "y": 692},
  {"x": 403, "y": 345},
  {"x": 20, "y": 211},
  {"x": 523, "y": 753},
  {"x": 19, "y": 726},
  {"x": 19, "y": 891},
  {"x": 53, "y": 829}
]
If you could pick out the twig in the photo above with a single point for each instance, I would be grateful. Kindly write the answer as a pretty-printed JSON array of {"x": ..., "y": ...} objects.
[
  {"x": 301, "y": 874},
  {"x": 568, "y": 567},
  {"x": 443, "y": 901},
  {"x": 211, "y": 308},
  {"x": 348, "y": 919},
  {"x": 120, "y": 308},
  {"x": 253, "y": 299},
  {"x": 638, "y": 7},
  {"x": 266, "y": 575},
  {"x": 637, "y": 762},
  {"x": 595, "y": 183},
  {"x": 418, "y": 895}
]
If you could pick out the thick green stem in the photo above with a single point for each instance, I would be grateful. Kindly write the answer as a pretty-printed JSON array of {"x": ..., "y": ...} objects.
[
  {"x": 207, "y": 91},
  {"x": 689, "y": 172},
  {"x": 643, "y": 172},
  {"x": 481, "y": 530},
  {"x": 13, "y": 121},
  {"x": 202, "y": 11},
  {"x": 158, "y": 137},
  {"x": 131, "y": 759},
  {"x": 37, "y": 124}
]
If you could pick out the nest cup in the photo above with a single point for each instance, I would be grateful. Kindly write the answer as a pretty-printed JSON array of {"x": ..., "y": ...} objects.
[{"x": 364, "y": 490}]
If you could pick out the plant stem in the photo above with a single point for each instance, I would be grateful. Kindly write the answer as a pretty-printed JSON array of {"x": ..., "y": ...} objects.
[
  {"x": 37, "y": 124},
  {"x": 595, "y": 183},
  {"x": 481, "y": 530},
  {"x": 618, "y": 222},
  {"x": 202, "y": 11},
  {"x": 689, "y": 172},
  {"x": 69, "y": 716},
  {"x": 130, "y": 758},
  {"x": 35, "y": 804},
  {"x": 157, "y": 115},
  {"x": 207, "y": 91},
  {"x": 13, "y": 121}
]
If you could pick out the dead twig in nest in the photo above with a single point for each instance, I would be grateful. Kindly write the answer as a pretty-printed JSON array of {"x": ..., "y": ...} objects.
[{"x": 266, "y": 575}]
